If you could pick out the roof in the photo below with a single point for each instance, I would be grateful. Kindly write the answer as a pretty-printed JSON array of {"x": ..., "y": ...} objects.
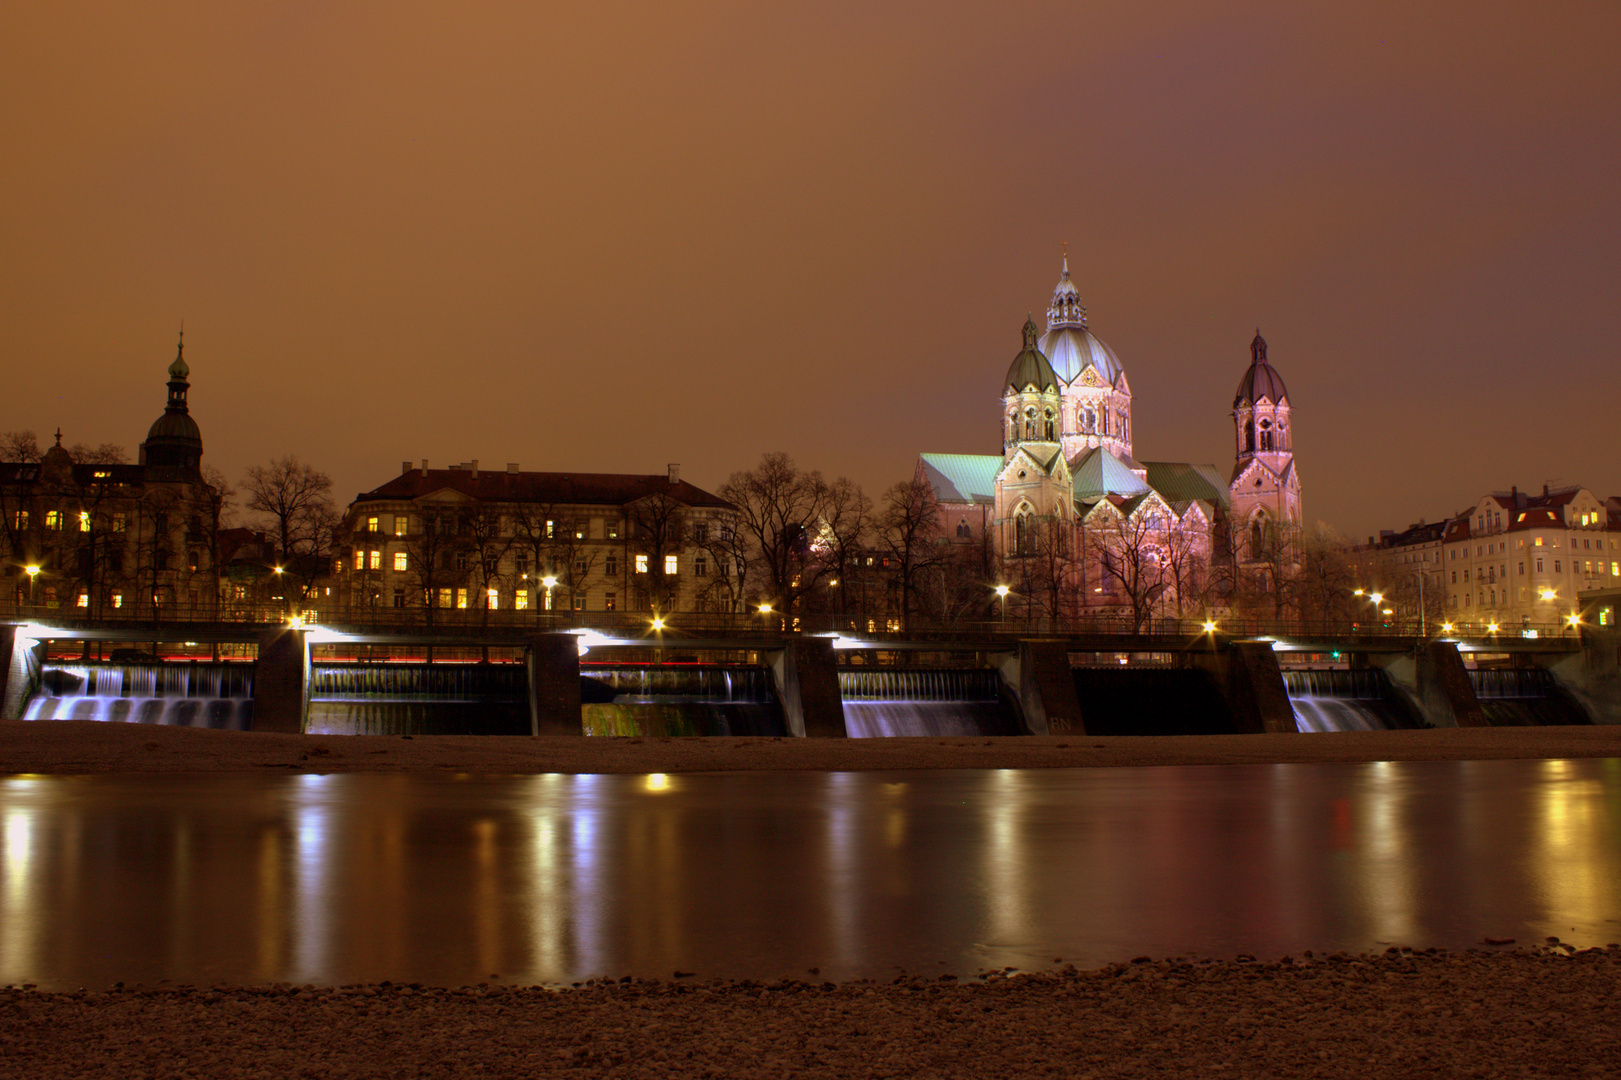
[
  {"x": 1260, "y": 381},
  {"x": 1030, "y": 367},
  {"x": 1180, "y": 481},
  {"x": 1072, "y": 349},
  {"x": 604, "y": 489},
  {"x": 1098, "y": 472},
  {"x": 962, "y": 478}
]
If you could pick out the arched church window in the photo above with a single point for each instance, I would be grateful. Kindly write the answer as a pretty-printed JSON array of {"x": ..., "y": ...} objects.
[
  {"x": 1024, "y": 536},
  {"x": 1049, "y": 427},
  {"x": 1249, "y": 438},
  {"x": 1257, "y": 535}
]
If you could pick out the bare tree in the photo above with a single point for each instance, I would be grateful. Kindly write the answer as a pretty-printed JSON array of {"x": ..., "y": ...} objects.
[
  {"x": 779, "y": 509},
  {"x": 489, "y": 541},
  {"x": 909, "y": 530},
  {"x": 1132, "y": 555},
  {"x": 1325, "y": 580},
  {"x": 295, "y": 501},
  {"x": 658, "y": 531}
]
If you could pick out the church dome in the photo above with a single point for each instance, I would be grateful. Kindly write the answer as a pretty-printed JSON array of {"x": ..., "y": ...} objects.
[
  {"x": 1068, "y": 344},
  {"x": 1260, "y": 381},
  {"x": 174, "y": 427},
  {"x": 174, "y": 443},
  {"x": 1030, "y": 367}
]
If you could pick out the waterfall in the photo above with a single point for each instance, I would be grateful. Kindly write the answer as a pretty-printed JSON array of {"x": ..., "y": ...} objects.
[
  {"x": 213, "y": 695},
  {"x": 1525, "y": 697},
  {"x": 679, "y": 700},
  {"x": 941, "y": 702},
  {"x": 419, "y": 699},
  {"x": 1340, "y": 699}
]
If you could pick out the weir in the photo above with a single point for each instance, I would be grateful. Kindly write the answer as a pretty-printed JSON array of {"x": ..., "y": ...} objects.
[
  {"x": 1525, "y": 697},
  {"x": 418, "y": 699},
  {"x": 1338, "y": 699},
  {"x": 881, "y": 702},
  {"x": 679, "y": 699},
  {"x": 212, "y": 695}
]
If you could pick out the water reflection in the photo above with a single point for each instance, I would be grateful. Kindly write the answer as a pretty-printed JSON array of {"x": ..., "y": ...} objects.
[{"x": 556, "y": 878}]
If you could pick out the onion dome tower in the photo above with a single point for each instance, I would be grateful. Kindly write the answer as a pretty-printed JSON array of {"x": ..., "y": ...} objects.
[
  {"x": 173, "y": 449},
  {"x": 1031, "y": 401},
  {"x": 1265, "y": 490},
  {"x": 1096, "y": 397}
]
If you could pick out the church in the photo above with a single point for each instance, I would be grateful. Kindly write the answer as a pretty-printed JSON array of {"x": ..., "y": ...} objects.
[{"x": 1075, "y": 524}]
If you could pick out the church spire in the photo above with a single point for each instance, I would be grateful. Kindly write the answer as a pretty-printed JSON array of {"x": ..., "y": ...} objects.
[{"x": 1066, "y": 308}]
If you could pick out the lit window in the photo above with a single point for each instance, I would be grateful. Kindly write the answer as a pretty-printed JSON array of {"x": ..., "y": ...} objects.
[
  {"x": 53, "y": 519},
  {"x": 641, "y": 564},
  {"x": 21, "y": 518},
  {"x": 551, "y": 529},
  {"x": 461, "y": 598},
  {"x": 120, "y": 522},
  {"x": 1538, "y": 541},
  {"x": 118, "y": 599},
  {"x": 445, "y": 598},
  {"x": 520, "y": 600},
  {"x": 360, "y": 559},
  {"x": 492, "y": 599},
  {"x": 84, "y": 521},
  {"x": 613, "y": 530},
  {"x": 401, "y": 562},
  {"x": 672, "y": 565},
  {"x": 610, "y": 602},
  {"x": 402, "y": 524},
  {"x": 374, "y": 560},
  {"x": 579, "y": 603},
  {"x": 84, "y": 600},
  {"x": 371, "y": 524},
  {"x": 579, "y": 530}
]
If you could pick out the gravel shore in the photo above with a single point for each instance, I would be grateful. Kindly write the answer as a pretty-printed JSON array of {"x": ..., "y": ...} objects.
[
  {"x": 1546, "y": 1011},
  {"x": 82, "y": 747}
]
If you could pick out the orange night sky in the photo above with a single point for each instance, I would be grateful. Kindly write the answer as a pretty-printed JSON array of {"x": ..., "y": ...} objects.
[{"x": 607, "y": 237}]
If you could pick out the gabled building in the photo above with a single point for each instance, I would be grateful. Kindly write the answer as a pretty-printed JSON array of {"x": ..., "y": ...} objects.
[{"x": 462, "y": 538}]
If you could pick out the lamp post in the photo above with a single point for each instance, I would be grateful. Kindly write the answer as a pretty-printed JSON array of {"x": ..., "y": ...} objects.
[
  {"x": 550, "y": 581},
  {"x": 33, "y": 572},
  {"x": 1001, "y": 594}
]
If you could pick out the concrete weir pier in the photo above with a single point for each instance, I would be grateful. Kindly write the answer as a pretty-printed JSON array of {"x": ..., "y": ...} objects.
[{"x": 324, "y": 681}]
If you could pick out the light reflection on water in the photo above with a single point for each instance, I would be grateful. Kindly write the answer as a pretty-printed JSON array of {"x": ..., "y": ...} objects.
[{"x": 555, "y": 878}]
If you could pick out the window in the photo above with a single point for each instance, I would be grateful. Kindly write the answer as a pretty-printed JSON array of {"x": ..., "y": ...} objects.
[
  {"x": 20, "y": 518},
  {"x": 1538, "y": 541},
  {"x": 120, "y": 522},
  {"x": 579, "y": 603},
  {"x": 672, "y": 565},
  {"x": 1454, "y": 577},
  {"x": 360, "y": 559},
  {"x": 461, "y": 564},
  {"x": 641, "y": 564},
  {"x": 700, "y": 567},
  {"x": 118, "y": 599},
  {"x": 611, "y": 567},
  {"x": 1539, "y": 566},
  {"x": 700, "y": 531},
  {"x": 83, "y": 601},
  {"x": 84, "y": 521},
  {"x": 492, "y": 598},
  {"x": 374, "y": 560},
  {"x": 610, "y": 601},
  {"x": 446, "y": 597},
  {"x": 402, "y": 562},
  {"x": 582, "y": 567},
  {"x": 371, "y": 524},
  {"x": 520, "y": 600},
  {"x": 53, "y": 519},
  {"x": 579, "y": 530},
  {"x": 399, "y": 597},
  {"x": 546, "y": 600},
  {"x": 461, "y": 598},
  {"x": 551, "y": 529},
  {"x": 1557, "y": 568},
  {"x": 613, "y": 530},
  {"x": 402, "y": 524}
]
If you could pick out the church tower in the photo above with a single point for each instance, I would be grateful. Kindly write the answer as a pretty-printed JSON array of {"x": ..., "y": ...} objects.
[
  {"x": 1033, "y": 486},
  {"x": 1264, "y": 488},
  {"x": 173, "y": 449}
]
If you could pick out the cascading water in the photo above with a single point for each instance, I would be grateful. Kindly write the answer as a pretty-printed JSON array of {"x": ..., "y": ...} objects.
[
  {"x": 211, "y": 695},
  {"x": 419, "y": 699},
  {"x": 1339, "y": 699},
  {"x": 679, "y": 699},
  {"x": 921, "y": 701},
  {"x": 1524, "y": 697}
]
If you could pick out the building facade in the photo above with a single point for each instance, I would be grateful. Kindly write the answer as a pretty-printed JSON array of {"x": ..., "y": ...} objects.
[
  {"x": 439, "y": 541},
  {"x": 1074, "y": 516},
  {"x": 101, "y": 538}
]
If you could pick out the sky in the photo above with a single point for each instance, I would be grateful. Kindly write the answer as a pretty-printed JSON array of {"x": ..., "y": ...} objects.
[{"x": 609, "y": 237}]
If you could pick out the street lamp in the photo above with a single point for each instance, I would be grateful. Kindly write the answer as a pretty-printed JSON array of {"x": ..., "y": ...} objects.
[
  {"x": 33, "y": 572},
  {"x": 1001, "y": 594},
  {"x": 1210, "y": 626},
  {"x": 550, "y": 581}
]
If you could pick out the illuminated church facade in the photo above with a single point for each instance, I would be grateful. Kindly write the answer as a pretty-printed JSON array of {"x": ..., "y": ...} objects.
[{"x": 1074, "y": 520}]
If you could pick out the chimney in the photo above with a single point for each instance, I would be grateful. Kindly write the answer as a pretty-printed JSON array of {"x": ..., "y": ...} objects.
[
  {"x": 424, "y": 466},
  {"x": 675, "y": 473},
  {"x": 512, "y": 468},
  {"x": 1544, "y": 491},
  {"x": 405, "y": 467},
  {"x": 475, "y": 468}
]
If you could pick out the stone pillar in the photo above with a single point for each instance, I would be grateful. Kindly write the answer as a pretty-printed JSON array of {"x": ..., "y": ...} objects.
[
  {"x": 1255, "y": 689},
  {"x": 806, "y": 672},
  {"x": 1593, "y": 675},
  {"x": 1446, "y": 697},
  {"x": 554, "y": 685},
  {"x": 1041, "y": 680},
  {"x": 281, "y": 682},
  {"x": 21, "y": 661}
]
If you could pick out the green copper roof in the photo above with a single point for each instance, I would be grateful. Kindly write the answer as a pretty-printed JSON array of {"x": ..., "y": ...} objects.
[
  {"x": 962, "y": 477},
  {"x": 1179, "y": 481},
  {"x": 1099, "y": 472}
]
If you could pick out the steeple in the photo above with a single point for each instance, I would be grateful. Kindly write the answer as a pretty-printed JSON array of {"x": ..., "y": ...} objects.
[
  {"x": 174, "y": 445},
  {"x": 1066, "y": 308}
]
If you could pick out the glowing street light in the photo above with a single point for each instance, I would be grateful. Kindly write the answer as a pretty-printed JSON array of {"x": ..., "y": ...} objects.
[
  {"x": 1446, "y": 628},
  {"x": 1548, "y": 594},
  {"x": 550, "y": 581},
  {"x": 1209, "y": 626},
  {"x": 1001, "y": 594},
  {"x": 33, "y": 572},
  {"x": 658, "y": 625}
]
